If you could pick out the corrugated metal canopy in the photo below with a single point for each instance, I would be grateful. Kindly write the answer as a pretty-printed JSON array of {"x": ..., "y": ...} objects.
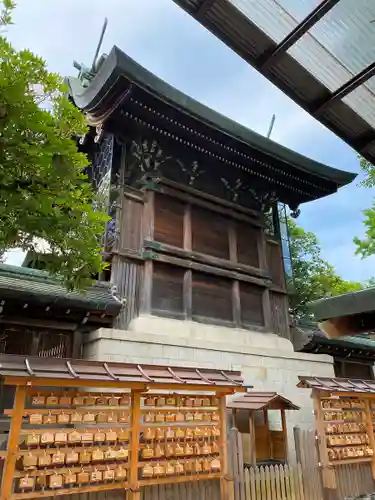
[
  {"x": 320, "y": 53},
  {"x": 338, "y": 384},
  {"x": 79, "y": 371},
  {"x": 253, "y": 401}
]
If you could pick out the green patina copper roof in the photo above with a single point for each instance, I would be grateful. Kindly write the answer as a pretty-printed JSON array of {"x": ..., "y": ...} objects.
[
  {"x": 360, "y": 346},
  {"x": 39, "y": 286},
  {"x": 94, "y": 98},
  {"x": 348, "y": 304}
]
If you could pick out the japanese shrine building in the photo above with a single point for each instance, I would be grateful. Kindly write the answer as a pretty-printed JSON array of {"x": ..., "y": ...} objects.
[{"x": 194, "y": 242}]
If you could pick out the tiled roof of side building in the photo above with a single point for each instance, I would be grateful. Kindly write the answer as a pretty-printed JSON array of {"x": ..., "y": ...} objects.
[
  {"x": 40, "y": 286},
  {"x": 347, "y": 304}
]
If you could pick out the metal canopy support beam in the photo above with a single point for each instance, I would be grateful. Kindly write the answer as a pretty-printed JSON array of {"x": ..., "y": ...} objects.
[
  {"x": 345, "y": 89},
  {"x": 269, "y": 57},
  {"x": 205, "y": 7},
  {"x": 364, "y": 141}
]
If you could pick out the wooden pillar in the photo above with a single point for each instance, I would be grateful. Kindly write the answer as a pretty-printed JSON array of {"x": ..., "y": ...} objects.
[
  {"x": 34, "y": 348},
  {"x": 263, "y": 264},
  {"x": 13, "y": 443},
  {"x": 148, "y": 234},
  {"x": 285, "y": 434},
  {"x": 77, "y": 344},
  {"x": 188, "y": 276},
  {"x": 224, "y": 493},
  {"x": 134, "y": 492},
  {"x": 328, "y": 473},
  {"x": 267, "y": 426},
  {"x": 253, "y": 453}
]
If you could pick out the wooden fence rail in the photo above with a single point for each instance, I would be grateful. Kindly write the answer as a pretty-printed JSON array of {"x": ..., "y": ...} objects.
[{"x": 193, "y": 490}]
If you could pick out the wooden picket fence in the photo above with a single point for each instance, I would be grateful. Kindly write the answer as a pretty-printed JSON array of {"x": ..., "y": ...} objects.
[{"x": 280, "y": 482}]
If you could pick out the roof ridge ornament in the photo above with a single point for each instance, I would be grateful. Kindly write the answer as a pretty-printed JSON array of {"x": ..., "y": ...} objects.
[{"x": 86, "y": 74}]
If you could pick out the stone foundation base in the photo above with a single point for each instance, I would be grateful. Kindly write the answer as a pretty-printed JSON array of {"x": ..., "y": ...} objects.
[{"x": 268, "y": 362}]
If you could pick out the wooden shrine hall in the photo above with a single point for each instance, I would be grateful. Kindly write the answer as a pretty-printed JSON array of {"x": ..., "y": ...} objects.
[{"x": 193, "y": 197}]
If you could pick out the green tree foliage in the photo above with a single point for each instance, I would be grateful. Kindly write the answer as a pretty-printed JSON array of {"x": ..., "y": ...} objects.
[
  {"x": 313, "y": 277},
  {"x": 366, "y": 245},
  {"x": 43, "y": 191}
]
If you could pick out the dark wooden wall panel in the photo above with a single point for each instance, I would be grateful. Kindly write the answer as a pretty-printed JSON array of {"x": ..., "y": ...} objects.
[
  {"x": 247, "y": 244},
  {"x": 275, "y": 263},
  {"x": 211, "y": 297},
  {"x": 131, "y": 237},
  {"x": 210, "y": 234},
  {"x": 251, "y": 299},
  {"x": 280, "y": 314},
  {"x": 169, "y": 220},
  {"x": 127, "y": 278},
  {"x": 167, "y": 289}
]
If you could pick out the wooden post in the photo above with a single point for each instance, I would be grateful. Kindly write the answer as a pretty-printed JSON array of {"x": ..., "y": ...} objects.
[
  {"x": 328, "y": 474},
  {"x": 267, "y": 426},
  {"x": 253, "y": 455},
  {"x": 148, "y": 233},
  {"x": 223, "y": 448},
  {"x": 35, "y": 343},
  {"x": 147, "y": 288},
  {"x": 285, "y": 434},
  {"x": 76, "y": 350},
  {"x": 236, "y": 303},
  {"x": 13, "y": 443},
  {"x": 370, "y": 432},
  {"x": 134, "y": 493}
]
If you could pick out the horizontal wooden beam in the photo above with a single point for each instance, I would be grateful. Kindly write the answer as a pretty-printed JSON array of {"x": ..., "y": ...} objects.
[
  {"x": 39, "y": 323},
  {"x": 204, "y": 268},
  {"x": 205, "y": 259},
  {"x": 74, "y": 383},
  {"x": 94, "y": 488},
  {"x": 210, "y": 202},
  {"x": 179, "y": 479},
  {"x": 208, "y": 269}
]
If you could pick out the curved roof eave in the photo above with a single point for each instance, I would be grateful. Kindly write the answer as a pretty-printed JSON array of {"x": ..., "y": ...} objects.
[
  {"x": 362, "y": 301},
  {"x": 119, "y": 64}
]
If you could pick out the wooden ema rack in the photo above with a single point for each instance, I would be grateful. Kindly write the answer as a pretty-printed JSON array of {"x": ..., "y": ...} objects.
[
  {"x": 70, "y": 441},
  {"x": 344, "y": 432}
]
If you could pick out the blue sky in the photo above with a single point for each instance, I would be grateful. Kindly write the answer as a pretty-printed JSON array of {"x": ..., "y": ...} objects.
[{"x": 164, "y": 39}]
